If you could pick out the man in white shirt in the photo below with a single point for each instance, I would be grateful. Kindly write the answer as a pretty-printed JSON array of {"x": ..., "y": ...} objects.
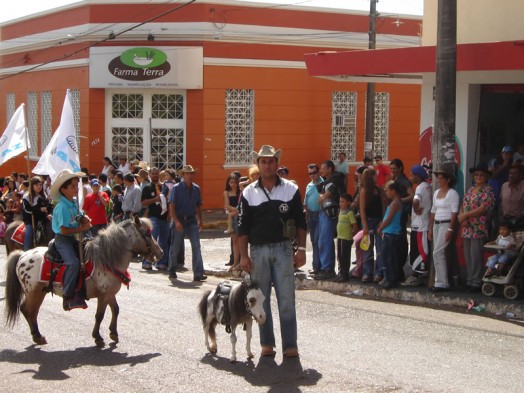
[
  {"x": 123, "y": 165},
  {"x": 420, "y": 211},
  {"x": 342, "y": 166}
]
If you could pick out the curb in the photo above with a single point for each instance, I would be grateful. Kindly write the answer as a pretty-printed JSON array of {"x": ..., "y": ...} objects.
[
  {"x": 415, "y": 296},
  {"x": 410, "y": 295}
]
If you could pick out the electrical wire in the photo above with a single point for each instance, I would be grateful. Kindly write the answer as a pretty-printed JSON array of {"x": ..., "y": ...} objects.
[{"x": 110, "y": 37}]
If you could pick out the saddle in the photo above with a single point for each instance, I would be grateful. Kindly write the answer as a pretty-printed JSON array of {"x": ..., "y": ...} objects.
[
  {"x": 221, "y": 304},
  {"x": 52, "y": 269}
]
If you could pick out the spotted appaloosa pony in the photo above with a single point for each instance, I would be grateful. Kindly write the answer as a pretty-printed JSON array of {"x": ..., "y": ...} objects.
[
  {"x": 245, "y": 303},
  {"x": 111, "y": 251}
]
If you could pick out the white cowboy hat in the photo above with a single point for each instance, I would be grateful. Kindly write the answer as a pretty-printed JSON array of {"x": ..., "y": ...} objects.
[
  {"x": 143, "y": 165},
  {"x": 186, "y": 169},
  {"x": 65, "y": 175},
  {"x": 267, "y": 151}
]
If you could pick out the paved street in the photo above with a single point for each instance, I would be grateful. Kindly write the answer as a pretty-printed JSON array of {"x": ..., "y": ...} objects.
[{"x": 346, "y": 344}]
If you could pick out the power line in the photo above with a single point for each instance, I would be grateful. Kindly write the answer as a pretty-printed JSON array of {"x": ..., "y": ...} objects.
[{"x": 112, "y": 36}]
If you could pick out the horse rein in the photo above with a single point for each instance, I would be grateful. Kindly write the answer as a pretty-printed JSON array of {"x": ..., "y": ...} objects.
[
  {"x": 144, "y": 238},
  {"x": 246, "y": 302}
]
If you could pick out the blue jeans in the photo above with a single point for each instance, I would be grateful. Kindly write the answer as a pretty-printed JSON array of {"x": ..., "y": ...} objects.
[
  {"x": 369, "y": 257},
  {"x": 326, "y": 246},
  {"x": 190, "y": 228},
  {"x": 314, "y": 234},
  {"x": 390, "y": 246},
  {"x": 28, "y": 237},
  {"x": 273, "y": 264},
  {"x": 160, "y": 233},
  {"x": 66, "y": 247}
]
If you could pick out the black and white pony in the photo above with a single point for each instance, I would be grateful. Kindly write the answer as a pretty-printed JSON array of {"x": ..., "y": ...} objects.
[{"x": 231, "y": 304}]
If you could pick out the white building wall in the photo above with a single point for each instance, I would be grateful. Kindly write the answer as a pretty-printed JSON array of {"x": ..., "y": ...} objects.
[
  {"x": 478, "y": 21},
  {"x": 467, "y": 113}
]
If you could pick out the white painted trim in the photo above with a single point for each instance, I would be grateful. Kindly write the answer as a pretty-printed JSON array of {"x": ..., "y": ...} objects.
[
  {"x": 56, "y": 65},
  {"x": 205, "y": 31},
  {"x": 218, "y": 61}
]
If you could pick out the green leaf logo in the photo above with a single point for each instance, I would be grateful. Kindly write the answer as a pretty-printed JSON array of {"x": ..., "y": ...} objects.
[{"x": 143, "y": 57}]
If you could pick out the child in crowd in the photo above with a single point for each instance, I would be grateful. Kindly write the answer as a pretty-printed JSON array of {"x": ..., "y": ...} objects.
[
  {"x": 117, "y": 198},
  {"x": 9, "y": 213},
  {"x": 390, "y": 230},
  {"x": 2, "y": 225},
  {"x": 346, "y": 227},
  {"x": 498, "y": 262},
  {"x": 17, "y": 206}
]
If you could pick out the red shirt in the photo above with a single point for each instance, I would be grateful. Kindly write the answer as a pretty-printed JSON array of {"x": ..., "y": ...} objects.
[
  {"x": 95, "y": 209},
  {"x": 383, "y": 173}
]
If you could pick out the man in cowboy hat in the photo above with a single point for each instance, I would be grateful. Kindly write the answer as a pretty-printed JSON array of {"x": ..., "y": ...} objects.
[
  {"x": 68, "y": 220},
  {"x": 271, "y": 217},
  {"x": 185, "y": 208}
]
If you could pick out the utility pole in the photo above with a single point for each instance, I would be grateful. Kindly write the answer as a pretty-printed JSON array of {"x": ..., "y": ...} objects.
[
  {"x": 443, "y": 140},
  {"x": 370, "y": 97},
  {"x": 443, "y": 145}
]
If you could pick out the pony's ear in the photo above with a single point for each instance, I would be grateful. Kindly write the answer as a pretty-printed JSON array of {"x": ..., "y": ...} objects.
[{"x": 136, "y": 219}]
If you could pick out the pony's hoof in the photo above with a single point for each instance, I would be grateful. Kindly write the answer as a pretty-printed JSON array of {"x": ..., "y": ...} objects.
[
  {"x": 250, "y": 355},
  {"x": 233, "y": 360},
  {"x": 40, "y": 340},
  {"x": 213, "y": 349},
  {"x": 100, "y": 343},
  {"x": 114, "y": 337}
]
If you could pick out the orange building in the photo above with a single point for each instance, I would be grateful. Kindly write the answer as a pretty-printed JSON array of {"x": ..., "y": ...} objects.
[{"x": 204, "y": 84}]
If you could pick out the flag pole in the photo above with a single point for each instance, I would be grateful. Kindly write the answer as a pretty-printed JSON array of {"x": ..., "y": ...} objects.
[{"x": 29, "y": 172}]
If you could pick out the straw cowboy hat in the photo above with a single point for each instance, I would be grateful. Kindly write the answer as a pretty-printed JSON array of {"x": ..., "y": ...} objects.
[
  {"x": 65, "y": 175},
  {"x": 143, "y": 165},
  {"x": 267, "y": 151},
  {"x": 186, "y": 169}
]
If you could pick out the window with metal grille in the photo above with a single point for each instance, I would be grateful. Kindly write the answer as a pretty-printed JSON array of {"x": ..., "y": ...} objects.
[
  {"x": 45, "y": 119},
  {"x": 10, "y": 107},
  {"x": 343, "y": 124},
  {"x": 32, "y": 123},
  {"x": 127, "y": 141},
  {"x": 167, "y": 106},
  {"x": 167, "y": 148},
  {"x": 128, "y": 106},
  {"x": 240, "y": 126},
  {"x": 381, "y": 125}
]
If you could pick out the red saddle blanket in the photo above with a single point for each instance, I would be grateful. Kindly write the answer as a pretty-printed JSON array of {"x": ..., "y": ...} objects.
[
  {"x": 47, "y": 267},
  {"x": 18, "y": 235}
]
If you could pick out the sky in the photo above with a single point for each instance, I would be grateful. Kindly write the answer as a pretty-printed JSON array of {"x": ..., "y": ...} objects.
[{"x": 19, "y": 8}]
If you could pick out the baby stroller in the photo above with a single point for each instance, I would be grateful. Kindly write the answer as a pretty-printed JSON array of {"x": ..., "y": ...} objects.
[{"x": 511, "y": 280}]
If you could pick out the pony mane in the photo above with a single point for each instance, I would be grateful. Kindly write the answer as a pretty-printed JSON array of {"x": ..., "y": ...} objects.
[{"x": 106, "y": 248}]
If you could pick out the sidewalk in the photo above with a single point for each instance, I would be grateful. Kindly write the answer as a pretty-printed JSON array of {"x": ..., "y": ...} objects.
[{"x": 215, "y": 223}]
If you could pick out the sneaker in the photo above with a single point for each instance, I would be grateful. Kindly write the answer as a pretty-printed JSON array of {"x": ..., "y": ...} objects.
[
  {"x": 366, "y": 278},
  {"x": 202, "y": 277},
  {"x": 161, "y": 267},
  {"x": 378, "y": 278},
  {"x": 412, "y": 281},
  {"x": 342, "y": 278},
  {"x": 147, "y": 266},
  {"x": 172, "y": 276}
]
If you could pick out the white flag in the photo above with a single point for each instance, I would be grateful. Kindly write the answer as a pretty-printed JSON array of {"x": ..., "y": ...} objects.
[
  {"x": 62, "y": 151},
  {"x": 14, "y": 140}
]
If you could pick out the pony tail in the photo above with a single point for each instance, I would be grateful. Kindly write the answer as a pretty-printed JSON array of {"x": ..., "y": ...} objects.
[
  {"x": 202, "y": 306},
  {"x": 13, "y": 289}
]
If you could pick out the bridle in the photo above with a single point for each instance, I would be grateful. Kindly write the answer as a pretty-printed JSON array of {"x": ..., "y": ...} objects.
[{"x": 146, "y": 238}]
